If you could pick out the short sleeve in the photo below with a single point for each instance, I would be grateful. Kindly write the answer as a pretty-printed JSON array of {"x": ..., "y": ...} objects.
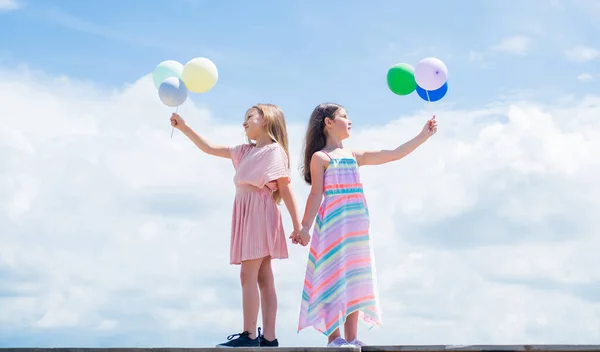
[
  {"x": 276, "y": 165},
  {"x": 237, "y": 153}
]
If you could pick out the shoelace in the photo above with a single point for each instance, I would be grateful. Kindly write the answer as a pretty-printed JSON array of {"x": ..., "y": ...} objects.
[{"x": 230, "y": 337}]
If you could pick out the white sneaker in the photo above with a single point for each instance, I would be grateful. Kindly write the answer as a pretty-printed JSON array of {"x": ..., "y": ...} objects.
[
  {"x": 358, "y": 343},
  {"x": 339, "y": 342}
]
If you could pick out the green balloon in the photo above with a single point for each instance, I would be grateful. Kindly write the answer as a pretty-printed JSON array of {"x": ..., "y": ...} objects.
[{"x": 401, "y": 79}]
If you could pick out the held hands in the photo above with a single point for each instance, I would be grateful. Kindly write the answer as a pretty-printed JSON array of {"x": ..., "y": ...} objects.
[
  {"x": 301, "y": 237},
  {"x": 430, "y": 128},
  {"x": 177, "y": 121}
]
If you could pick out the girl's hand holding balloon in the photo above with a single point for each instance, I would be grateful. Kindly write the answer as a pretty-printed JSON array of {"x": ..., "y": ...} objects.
[
  {"x": 177, "y": 121},
  {"x": 430, "y": 128}
]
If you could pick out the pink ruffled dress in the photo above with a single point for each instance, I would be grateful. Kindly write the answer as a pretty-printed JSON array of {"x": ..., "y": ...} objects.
[{"x": 257, "y": 227}]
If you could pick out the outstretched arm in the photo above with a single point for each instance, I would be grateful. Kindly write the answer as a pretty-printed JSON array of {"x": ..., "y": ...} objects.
[
  {"x": 378, "y": 157},
  {"x": 199, "y": 141}
]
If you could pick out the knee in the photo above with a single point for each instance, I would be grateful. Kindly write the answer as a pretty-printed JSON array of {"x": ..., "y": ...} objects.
[
  {"x": 266, "y": 282},
  {"x": 247, "y": 278}
]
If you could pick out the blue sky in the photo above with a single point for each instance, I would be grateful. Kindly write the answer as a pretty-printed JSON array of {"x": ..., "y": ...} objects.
[
  {"x": 299, "y": 53},
  {"x": 114, "y": 234}
]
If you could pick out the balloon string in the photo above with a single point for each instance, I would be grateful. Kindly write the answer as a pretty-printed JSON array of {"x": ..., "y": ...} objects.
[
  {"x": 429, "y": 100},
  {"x": 173, "y": 127}
]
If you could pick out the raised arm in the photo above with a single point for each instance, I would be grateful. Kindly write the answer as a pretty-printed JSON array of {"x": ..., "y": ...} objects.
[
  {"x": 199, "y": 141},
  {"x": 378, "y": 157}
]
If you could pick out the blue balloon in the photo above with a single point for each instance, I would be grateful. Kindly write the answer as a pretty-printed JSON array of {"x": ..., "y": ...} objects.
[
  {"x": 432, "y": 95},
  {"x": 172, "y": 92}
]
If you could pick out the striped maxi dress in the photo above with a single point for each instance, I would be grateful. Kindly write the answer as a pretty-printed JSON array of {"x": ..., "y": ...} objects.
[{"x": 340, "y": 274}]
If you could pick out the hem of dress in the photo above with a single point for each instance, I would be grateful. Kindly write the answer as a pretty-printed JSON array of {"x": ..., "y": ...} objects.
[
  {"x": 324, "y": 332},
  {"x": 239, "y": 262}
]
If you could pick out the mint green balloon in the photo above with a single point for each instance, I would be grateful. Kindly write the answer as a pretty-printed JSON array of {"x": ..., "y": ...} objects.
[
  {"x": 401, "y": 79},
  {"x": 166, "y": 69}
]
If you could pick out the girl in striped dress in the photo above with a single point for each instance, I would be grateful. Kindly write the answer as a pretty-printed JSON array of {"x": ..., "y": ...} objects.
[{"x": 340, "y": 282}]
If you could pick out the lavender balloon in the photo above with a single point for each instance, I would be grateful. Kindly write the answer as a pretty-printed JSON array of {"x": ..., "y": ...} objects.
[
  {"x": 431, "y": 73},
  {"x": 172, "y": 92}
]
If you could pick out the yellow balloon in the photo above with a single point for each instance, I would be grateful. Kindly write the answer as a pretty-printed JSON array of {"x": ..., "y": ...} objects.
[{"x": 199, "y": 75}]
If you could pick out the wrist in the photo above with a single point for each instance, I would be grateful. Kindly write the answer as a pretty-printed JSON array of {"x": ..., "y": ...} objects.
[
  {"x": 296, "y": 224},
  {"x": 422, "y": 137}
]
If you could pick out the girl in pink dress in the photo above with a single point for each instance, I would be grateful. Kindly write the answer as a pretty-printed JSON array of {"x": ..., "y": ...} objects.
[{"x": 262, "y": 180}]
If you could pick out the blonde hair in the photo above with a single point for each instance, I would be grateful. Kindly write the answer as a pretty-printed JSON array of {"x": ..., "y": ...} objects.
[{"x": 277, "y": 130}]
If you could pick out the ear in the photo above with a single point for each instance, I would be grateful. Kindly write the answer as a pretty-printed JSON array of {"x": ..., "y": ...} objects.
[{"x": 328, "y": 122}]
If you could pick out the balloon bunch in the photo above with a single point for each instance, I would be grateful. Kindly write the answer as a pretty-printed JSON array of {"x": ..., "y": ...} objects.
[
  {"x": 428, "y": 78},
  {"x": 174, "y": 80}
]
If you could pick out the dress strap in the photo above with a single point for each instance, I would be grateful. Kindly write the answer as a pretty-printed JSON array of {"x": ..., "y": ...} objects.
[{"x": 329, "y": 156}]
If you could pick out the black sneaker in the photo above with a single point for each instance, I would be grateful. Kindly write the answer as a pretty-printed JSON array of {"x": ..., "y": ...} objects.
[
  {"x": 243, "y": 340},
  {"x": 266, "y": 343}
]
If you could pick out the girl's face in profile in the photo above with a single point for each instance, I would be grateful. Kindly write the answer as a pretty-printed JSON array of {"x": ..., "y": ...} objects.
[
  {"x": 339, "y": 127},
  {"x": 253, "y": 124}
]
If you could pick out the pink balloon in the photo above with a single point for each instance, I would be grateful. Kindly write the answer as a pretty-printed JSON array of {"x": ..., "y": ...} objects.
[{"x": 431, "y": 73}]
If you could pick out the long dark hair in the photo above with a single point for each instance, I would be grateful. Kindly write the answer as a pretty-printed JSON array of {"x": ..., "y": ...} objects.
[{"x": 316, "y": 139}]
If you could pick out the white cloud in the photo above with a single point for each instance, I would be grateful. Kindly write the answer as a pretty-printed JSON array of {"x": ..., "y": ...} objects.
[
  {"x": 112, "y": 230},
  {"x": 514, "y": 45},
  {"x": 585, "y": 77},
  {"x": 582, "y": 54},
  {"x": 9, "y": 5}
]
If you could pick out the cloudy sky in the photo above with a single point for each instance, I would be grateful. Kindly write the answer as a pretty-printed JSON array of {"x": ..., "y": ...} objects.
[{"x": 113, "y": 234}]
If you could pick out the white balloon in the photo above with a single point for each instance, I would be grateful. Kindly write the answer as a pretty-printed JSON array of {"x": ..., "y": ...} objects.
[{"x": 431, "y": 73}]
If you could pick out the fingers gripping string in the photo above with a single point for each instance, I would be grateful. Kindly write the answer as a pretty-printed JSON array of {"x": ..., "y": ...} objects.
[
  {"x": 428, "y": 100},
  {"x": 173, "y": 127}
]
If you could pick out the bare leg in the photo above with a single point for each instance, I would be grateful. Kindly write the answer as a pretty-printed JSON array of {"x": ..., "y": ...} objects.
[
  {"x": 331, "y": 311},
  {"x": 268, "y": 298},
  {"x": 334, "y": 335},
  {"x": 351, "y": 326},
  {"x": 250, "y": 298}
]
